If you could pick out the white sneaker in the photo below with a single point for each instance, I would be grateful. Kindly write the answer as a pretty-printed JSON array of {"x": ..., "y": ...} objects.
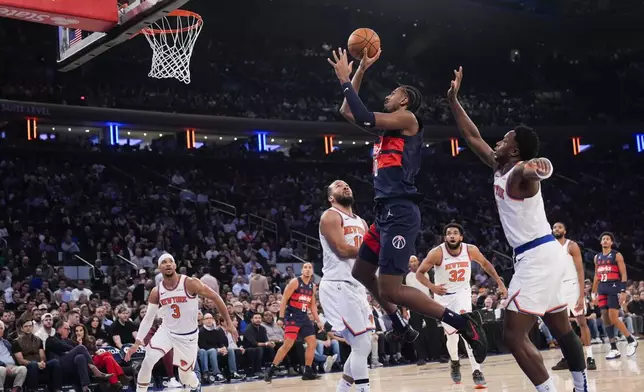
[
  {"x": 376, "y": 364},
  {"x": 613, "y": 354},
  {"x": 328, "y": 364},
  {"x": 596, "y": 341},
  {"x": 173, "y": 383},
  {"x": 630, "y": 349},
  {"x": 622, "y": 338}
]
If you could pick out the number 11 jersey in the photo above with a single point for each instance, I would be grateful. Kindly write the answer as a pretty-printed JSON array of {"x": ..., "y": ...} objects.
[{"x": 455, "y": 272}]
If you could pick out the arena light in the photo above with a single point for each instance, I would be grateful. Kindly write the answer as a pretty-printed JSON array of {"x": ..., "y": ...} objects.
[
  {"x": 576, "y": 145},
  {"x": 114, "y": 134},
  {"x": 261, "y": 141},
  {"x": 328, "y": 144},
  {"x": 454, "y": 145},
  {"x": 639, "y": 140},
  {"x": 190, "y": 138},
  {"x": 32, "y": 128}
]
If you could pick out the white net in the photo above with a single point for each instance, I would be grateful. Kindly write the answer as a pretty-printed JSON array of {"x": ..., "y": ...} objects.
[{"x": 172, "y": 39}]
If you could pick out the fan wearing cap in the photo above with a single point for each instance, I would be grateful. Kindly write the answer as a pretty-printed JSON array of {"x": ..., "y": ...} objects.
[{"x": 175, "y": 301}]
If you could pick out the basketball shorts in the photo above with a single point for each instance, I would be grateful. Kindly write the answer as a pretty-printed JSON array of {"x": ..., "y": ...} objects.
[
  {"x": 459, "y": 302},
  {"x": 534, "y": 288},
  {"x": 608, "y": 296},
  {"x": 345, "y": 306},
  {"x": 571, "y": 294},
  {"x": 185, "y": 347},
  {"x": 391, "y": 239},
  {"x": 298, "y": 326}
]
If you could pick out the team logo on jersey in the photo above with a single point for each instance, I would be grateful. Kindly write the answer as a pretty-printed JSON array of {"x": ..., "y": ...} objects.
[
  {"x": 398, "y": 242},
  {"x": 184, "y": 363}
]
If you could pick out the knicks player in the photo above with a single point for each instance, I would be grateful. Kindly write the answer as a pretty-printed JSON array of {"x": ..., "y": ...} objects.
[
  {"x": 573, "y": 292},
  {"x": 610, "y": 284},
  {"x": 299, "y": 296},
  {"x": 391, "y": 239},
  {"x": 174, "y": 300},
  {"x": 452, "y": 261},
  {"x": 343, "y": 298},
  {"x": 538, "y": 257}
]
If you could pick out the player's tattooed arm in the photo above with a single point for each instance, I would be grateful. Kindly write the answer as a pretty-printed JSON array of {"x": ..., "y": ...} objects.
[
  {"x": 478, "y": 257},
  {"x": 433, "y": 258},
  {"x": 331, "y": 229},
  {"x": 537, "y": 169},
  {"x": 466, "y": 126}
]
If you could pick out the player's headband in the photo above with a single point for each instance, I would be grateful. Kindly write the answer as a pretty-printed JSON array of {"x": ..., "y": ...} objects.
[{"x": 164, "y": 257}]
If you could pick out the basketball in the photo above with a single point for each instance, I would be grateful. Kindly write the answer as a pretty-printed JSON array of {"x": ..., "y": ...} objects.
[{"x": 361, "y": 39}]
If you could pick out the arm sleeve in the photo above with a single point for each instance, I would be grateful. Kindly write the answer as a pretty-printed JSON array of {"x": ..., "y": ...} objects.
[
  {"x": 147, "y": 321},
  {"x": 360, "y": 112}
]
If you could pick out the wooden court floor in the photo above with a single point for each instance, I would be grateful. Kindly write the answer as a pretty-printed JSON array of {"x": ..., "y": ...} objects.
[{"x": 501, "y": 372}]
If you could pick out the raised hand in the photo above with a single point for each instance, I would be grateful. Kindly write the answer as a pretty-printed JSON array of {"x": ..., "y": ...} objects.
[
  {"x": 341, "y": 65},
  {"x": 455, "y": 85},
  {"x": 367, "y": 61}
]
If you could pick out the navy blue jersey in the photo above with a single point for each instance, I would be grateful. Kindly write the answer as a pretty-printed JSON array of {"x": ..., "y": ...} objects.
[
  {"x": 610, "y": 279},
  {"x": 300, "y": 300},
  {"x": 396, "y": 162}
]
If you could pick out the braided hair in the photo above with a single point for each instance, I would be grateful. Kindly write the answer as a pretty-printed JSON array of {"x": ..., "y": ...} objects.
[{"x": 414, "y": 97}]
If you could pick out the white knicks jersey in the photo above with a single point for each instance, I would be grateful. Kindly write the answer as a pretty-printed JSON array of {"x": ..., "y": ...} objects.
[
  {"x": 522, "y": 220},
  {"x": 177, "y": 309},
  {"x": 570, "y": 271},
  {"x": 337, "y": 268},
  {"x": 455, "y": 272}
]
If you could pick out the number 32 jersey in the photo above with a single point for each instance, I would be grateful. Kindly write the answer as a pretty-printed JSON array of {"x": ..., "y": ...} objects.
[
  {"x": 454, "y": 272},
  {"x": 177, "y": 308}
]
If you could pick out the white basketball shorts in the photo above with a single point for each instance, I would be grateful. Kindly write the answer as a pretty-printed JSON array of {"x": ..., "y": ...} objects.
[
  {"x": 571, "y": 295},
  {"x": 535, "y": 287},
  {"x": 345, "y": 306},
  {"x": 185, "y": 347},
  {"x": 459, "y": 302}
]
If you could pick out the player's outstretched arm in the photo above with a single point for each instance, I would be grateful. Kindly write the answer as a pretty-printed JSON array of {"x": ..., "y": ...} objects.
[
  {"x": 398, "y": 120},
  {"x": 146, "y": 323},
  {"x": 478, "y": 257},
  {"x": 331, "y": 229},
  {"x": 196, "y": 287},
  {"x": 466, "y": 126},
  {"x": 537, "y": 169},
  {"x": 432, "y": 259},
  {"x": 356, "y": 81}
]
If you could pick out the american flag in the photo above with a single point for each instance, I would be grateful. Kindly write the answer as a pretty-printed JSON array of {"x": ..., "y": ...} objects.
[{"x": 75, "y": 36}]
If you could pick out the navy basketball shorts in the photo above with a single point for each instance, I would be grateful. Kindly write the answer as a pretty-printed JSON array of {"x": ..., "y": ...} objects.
[
  {"x": 294, "y": 327},
  {"x": 391, "y": 239},
  {"x": 608, "y": 301}
]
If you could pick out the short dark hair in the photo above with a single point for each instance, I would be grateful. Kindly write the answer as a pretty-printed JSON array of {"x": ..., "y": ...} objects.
[
  {"x": 562, "y": 224},
  {"x": 414, "y": 98},
  {"x": 453, "y": 225},
  {"x": 608, "y": 233},
  {"x": 527, "y": 141}
]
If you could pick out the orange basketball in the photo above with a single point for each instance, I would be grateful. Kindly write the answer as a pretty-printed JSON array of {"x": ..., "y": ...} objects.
[{"x": 361, "y": 39}]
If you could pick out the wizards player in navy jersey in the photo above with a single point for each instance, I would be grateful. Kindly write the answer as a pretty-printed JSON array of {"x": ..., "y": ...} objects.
[
  {"x": 609, "y": 290},
  {"x": 299, "y": 297},
  {"x": 390, "y": 241}
]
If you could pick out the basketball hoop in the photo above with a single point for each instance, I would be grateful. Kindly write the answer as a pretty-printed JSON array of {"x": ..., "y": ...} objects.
[{"x": 172, "y": 39}]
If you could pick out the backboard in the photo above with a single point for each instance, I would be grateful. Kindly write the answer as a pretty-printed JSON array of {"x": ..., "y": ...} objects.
[{"x": 76, "y": 46}]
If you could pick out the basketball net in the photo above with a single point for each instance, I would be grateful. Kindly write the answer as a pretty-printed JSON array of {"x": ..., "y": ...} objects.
[{"x": 172, "y": 39}]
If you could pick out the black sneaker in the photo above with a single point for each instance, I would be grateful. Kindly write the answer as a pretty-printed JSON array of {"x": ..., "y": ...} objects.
[
  {"x": 408, "y": 335},
  {"x": 421, "y": 362},
  {"x": 310, "y": 376},
  {"x": 269, "y": 374},
  {"x": 590, "y": 364},
  {"x": 478, "y": 378},
  {"x": 561, "y": 365},
  {"x": 474, "y": 334},
  {"x": 219, "y": 378},
  {"x": 455, "y": 372}
]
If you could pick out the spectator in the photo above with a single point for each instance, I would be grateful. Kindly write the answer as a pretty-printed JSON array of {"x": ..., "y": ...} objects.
[
  {"x": 123, "y": 330},
  {"x": 258, "y": 284},
  {"x": 256, "y": 337},
  {"x": 68, "y": 246},
  {"x": 240, "y": 285},
  {"x": 210, "y": 281},
  {"x": 28, "y": 351},
  {"x": 81, "y": 290},
  {"x": 8, "y": 365},
  {"x": 213, "y": 344}
]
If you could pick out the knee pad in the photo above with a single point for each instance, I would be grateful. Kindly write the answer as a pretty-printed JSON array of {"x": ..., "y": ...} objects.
[
  {"x": 573, "y": 351},
  {"x": 188, "y": 378},
  {"x": 361, "y": 345}
]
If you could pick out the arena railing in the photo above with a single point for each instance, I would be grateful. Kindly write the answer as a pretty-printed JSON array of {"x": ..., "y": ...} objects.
[
  {"x": 222, "y": 207},
  {"x": 258, "y": 222},
  {"x": 298, "y": 237},
  {"x": 136, "y": 267}
]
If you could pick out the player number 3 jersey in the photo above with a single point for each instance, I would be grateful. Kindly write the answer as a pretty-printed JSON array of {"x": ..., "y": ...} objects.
[
  {"x": 455, "y": 272},
  {"x": 178, "y": 309}
]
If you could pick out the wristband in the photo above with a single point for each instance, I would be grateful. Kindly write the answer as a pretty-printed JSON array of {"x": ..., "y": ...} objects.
[{"x": 622, "y": 287}]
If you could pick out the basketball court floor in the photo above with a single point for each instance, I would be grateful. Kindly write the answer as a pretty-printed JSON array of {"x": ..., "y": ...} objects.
[{"x": 502, "y": 374}]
